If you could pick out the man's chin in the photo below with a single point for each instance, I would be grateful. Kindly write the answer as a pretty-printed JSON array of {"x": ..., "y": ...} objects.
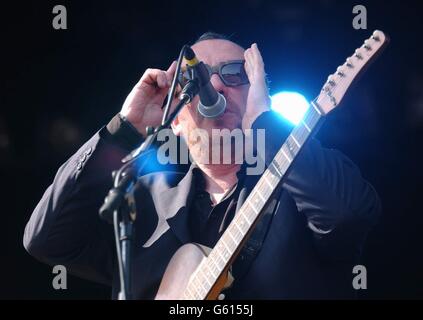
[{"x": 229, "y": 121}]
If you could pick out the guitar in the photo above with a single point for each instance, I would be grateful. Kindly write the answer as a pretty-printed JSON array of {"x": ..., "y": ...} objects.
[{"x": 196, "y": 272}]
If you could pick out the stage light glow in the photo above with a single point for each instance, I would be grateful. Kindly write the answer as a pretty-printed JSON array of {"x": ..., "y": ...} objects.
[{"x": 291, "y": 105}]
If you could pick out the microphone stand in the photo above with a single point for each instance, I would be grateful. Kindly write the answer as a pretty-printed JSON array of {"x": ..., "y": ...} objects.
[{"x": 119, "y": 205}]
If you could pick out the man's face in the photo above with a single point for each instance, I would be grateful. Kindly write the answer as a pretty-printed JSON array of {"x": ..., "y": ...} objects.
[{"x": 213, "y": 52}]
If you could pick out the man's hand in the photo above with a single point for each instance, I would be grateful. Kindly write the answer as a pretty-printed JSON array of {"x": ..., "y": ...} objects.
[
  {"x": 258, "y": 100},
  {"x": 143, "y": 106}
]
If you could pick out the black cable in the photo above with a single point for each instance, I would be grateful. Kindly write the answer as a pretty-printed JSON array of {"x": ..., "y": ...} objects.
[{"x": 173, "y": 86}]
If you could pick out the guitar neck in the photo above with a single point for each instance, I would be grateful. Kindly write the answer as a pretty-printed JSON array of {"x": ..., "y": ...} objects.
[{"x": 232, "y": 240}]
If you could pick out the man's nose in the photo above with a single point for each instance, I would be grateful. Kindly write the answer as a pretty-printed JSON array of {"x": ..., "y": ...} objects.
[{"x": 217, "y": 83}]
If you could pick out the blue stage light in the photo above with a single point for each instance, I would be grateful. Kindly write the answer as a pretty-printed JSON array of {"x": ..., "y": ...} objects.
[{"x": 291, "y": 105}]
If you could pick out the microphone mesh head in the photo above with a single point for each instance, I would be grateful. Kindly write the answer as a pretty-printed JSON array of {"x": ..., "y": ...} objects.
[{"x": 215, "y": 110}]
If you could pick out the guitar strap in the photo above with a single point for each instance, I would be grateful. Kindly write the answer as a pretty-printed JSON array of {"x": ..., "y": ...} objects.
[{"x": 254, "y": 243}]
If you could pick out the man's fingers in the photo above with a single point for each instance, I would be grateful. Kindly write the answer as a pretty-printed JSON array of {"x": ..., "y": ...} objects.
[
  {"x": 258, "y": 59},
  {"x": 172, "y": 67},
  {"x": 254, "y": 65},
  {"x": 249, "y": 63},
  {"x": 149, "y": 77},
  {"x": 153, "y": 78},
  {"x": 247, "y": 56},
  {"x": 162, "y": 80},
  {"x": 255, "y": 49},
  {"x": 252, "y": 57}
]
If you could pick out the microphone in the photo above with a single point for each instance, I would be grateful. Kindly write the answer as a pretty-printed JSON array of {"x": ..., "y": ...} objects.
[{"x": 212, "y": 104}]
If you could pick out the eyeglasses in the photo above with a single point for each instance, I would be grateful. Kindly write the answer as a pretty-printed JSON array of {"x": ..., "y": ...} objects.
[{"x": 232, "y": 73}]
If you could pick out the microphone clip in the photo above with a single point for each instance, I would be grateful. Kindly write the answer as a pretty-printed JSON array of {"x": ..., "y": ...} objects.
[{"x": 190, "y": 90}]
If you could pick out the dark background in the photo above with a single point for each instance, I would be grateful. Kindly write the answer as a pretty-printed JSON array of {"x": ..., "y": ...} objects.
[{"x": 58, "y": 87}]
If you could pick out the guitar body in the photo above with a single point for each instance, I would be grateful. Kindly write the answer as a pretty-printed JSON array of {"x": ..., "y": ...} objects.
[{"x": 180, "y": 269}]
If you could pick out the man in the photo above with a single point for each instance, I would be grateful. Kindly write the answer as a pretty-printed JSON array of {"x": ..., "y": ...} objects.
[{"x": 317, "y": 226}]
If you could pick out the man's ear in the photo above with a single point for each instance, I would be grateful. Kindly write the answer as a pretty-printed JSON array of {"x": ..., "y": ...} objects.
[{"x": 176, "y": 127}]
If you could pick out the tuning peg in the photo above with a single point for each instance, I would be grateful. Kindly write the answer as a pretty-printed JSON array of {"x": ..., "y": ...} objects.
[
  {"x": 340, "y": 72},
  {"x": 327, "y": 87},
  {"x": 367, "y": 45},
  {"x": 375, "y": 36},
  {"x": 330, "y": 83},
  {"x": 349, "y": 63},
  {"x": 331, "y": 80},
  {"x": 358, "y": 55}
]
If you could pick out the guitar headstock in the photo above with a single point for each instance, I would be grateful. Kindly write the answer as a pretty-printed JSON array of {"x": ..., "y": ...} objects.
[{"x": 338, "y": 83}]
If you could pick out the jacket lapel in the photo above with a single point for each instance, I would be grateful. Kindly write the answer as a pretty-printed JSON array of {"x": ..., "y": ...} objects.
[{"x": 172, "y": 210}]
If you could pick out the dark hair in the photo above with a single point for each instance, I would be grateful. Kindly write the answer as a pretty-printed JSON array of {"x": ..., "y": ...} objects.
[{"x": 210, "y": 35}]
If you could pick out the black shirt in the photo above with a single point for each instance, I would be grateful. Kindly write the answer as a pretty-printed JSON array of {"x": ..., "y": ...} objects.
[{"x": 207, "y": 221}]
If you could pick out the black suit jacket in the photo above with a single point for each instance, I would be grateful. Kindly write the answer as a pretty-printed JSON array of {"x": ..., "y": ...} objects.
[{"x": 315, "y": 238}]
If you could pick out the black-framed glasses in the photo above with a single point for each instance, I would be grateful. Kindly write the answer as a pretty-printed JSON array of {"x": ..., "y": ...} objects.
[{"x": 232, "y": 73}]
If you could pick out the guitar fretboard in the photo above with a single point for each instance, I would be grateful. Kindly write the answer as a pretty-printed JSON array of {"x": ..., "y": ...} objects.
[{"x": 226, "y": 249}]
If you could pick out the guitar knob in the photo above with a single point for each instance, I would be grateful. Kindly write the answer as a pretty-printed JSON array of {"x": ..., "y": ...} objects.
[{"x": 221, "y": 296}]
